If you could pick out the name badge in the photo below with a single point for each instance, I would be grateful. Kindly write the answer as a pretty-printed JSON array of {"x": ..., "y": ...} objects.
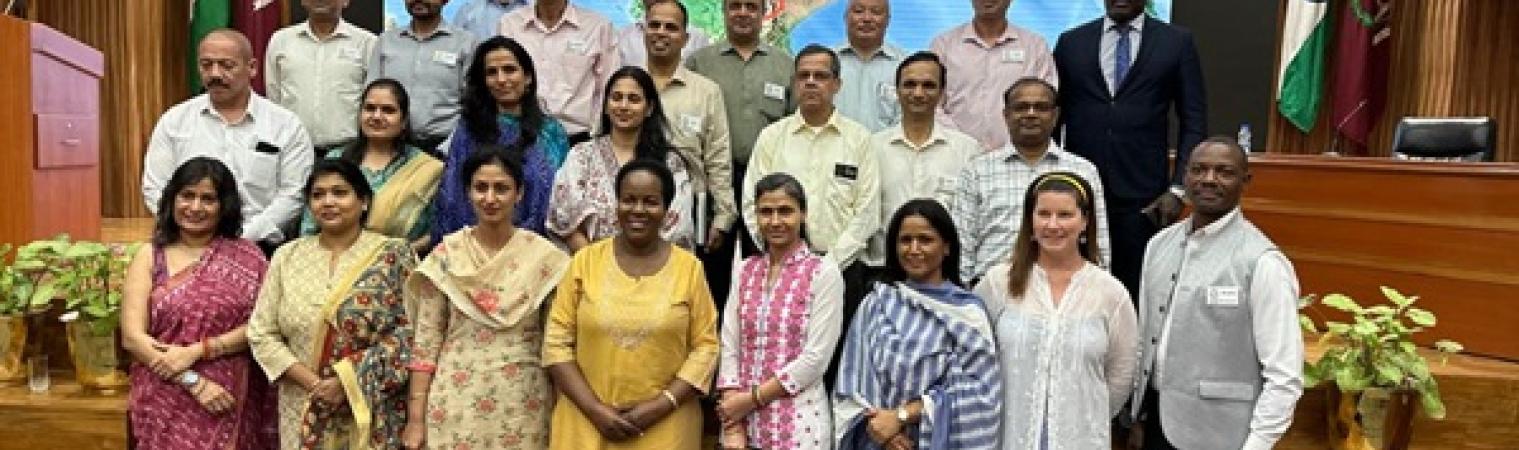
[
  {"x": 846, "y": 171},
  {"x": 775, "y": 91},
  {"x": 1013, "y": 56},
  {"x": 691, "y": 122},
  {"x": 886, "y": 91},
  {"x": 351, "y": 53},
  {"x": 578, "y": 46},
  {"x": 1223, "y": 296},
  {"x": 445, "y": 57}
]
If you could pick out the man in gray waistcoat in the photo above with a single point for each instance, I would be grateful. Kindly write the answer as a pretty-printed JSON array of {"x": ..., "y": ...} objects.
[{"x": 1221, "y": 354}]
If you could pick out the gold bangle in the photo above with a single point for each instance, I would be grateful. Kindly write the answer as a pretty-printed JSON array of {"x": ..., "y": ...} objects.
[{"x": 674, "y": 404}]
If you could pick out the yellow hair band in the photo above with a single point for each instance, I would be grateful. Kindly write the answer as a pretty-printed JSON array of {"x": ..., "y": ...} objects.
[{"x": 1074, "y": 181}]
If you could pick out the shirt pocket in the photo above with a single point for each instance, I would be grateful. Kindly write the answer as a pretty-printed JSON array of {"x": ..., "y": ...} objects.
[{"x": 258, "y": 170}]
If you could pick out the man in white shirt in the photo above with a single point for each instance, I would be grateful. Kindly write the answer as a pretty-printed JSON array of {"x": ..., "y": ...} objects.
[
  {"x": 831, "y": 156},
  {"x": 1226, "y": 297},
  {"x": 316, "y": 69},
  {"x": 482, "y": 18},
  {"x": 988, "y": 207},
  {"x": 920, "y": 156},
  {"x": 265, "y": 146}
]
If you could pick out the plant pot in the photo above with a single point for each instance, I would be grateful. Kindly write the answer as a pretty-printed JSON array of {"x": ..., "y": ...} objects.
[
  {"x": 95, "y": 358},
  {"x": 1370, "y": 420},
  {"x": 12, "y": 348}
]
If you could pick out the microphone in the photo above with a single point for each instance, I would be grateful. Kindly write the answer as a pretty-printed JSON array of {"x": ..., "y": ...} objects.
[{"x": 1334, "y": 144}]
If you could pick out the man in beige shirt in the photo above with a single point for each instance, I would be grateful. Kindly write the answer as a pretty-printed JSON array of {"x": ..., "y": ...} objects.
[
  {"x": 575, "y": 51},
  {"x": 831, "y": 156},
  {"x": 316, "y": 69}
]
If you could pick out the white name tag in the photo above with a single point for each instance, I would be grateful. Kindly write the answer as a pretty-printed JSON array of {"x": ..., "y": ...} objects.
[
  {"x": 578, "y": 46},
  {"x": 775, "y": 91},
  {"x": 351, "y": 53},
  {"x": 1223, "y": 296},
  {"x": 691, "y": 123},
  {"x": 1013, "y": 56},
  {"x": 886, "y": 91},
  {"x": 444, "y": 57}
]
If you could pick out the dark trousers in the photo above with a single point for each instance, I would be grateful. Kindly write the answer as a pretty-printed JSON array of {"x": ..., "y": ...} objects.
[
  {"x": 718, "y": 262},
  {"x": 857, "y": 282},
  {"x": 1149, "y": 418},
  {"x": 1129, "y": 230}
]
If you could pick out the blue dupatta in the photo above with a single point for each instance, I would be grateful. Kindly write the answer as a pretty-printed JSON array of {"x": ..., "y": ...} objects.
[{"x": 934, "y": 343}]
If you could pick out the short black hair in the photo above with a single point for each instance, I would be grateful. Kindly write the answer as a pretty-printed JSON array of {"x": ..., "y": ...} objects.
[
  {"x": 1007, "y": 96},
  {"x": 229, "y": 217},
  {"x": 652, "y": 166},
  {"x": 941, "y": 221},
  {"x": 685, "y": 15},
  {"x": 921, "y": 57},
  {"x": 350, "y": 173},
  {"x": 492, "y": 154},
  {"x": 1227, "y": 141},
  {"x": 819, "y": 49}
]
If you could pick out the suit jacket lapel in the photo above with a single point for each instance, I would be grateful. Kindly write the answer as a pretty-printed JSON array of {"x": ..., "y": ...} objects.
[
  {"x": 1093, "y": 48},
  {"x": 1146, "y": 47}
]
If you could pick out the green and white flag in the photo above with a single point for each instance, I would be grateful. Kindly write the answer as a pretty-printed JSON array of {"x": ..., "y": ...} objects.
[{"x": 1301, "y": 76}]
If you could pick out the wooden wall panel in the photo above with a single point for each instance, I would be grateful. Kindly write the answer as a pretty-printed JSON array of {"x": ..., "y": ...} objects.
[
  {"x": 145, "y": 47},
  {"x": 1445, "y": 232},
  {"x": 1449, "y": 58}
]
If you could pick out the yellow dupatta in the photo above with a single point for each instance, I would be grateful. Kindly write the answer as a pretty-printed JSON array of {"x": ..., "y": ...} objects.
[
  {"x": 499, "y": 289},
  {"x": 400, "y": 202},
  {"x": 347, "y": 374}
]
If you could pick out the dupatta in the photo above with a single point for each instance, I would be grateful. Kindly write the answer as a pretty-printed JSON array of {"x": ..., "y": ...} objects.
[
  {"x": 366, "y": 340},
  {"x": 919, "y": 342},
  {"x": 403, "y": 198}
]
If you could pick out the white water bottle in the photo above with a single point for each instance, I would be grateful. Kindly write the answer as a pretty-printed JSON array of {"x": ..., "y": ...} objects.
[{"x": 1244, "y": 136}]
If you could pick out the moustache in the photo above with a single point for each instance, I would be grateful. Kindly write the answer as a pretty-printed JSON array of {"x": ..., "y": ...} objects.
[{"x": 216, "y": 82}]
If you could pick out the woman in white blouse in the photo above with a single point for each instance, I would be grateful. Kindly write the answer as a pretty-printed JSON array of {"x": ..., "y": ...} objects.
[
  {"x": 779, "y": 328},
  {"x": 1065, "y": 327}
]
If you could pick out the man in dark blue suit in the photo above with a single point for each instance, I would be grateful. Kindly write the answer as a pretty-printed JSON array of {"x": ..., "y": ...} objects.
[{"x": 1121, "y": 76}]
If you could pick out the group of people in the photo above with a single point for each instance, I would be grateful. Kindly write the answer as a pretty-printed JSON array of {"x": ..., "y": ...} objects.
[{"x": 416, "y": 241}]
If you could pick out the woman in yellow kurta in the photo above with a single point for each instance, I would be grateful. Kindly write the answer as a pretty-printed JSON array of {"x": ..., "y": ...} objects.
[
  {"x": 330, "y": 327},
  {"x": 632, "y": 337}
]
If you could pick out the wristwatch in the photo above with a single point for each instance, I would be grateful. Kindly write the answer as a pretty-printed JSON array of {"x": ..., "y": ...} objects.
[
  {"x": 902, "y": 415},
  {"x": 189, "y": 378}
]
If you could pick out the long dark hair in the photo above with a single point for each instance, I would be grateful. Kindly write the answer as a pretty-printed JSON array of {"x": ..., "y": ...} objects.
[
  {"x": 941, "y": 221},
  {"x": 354, "y": 152},
  {"x": 1026, "y": 250},
  {"x": 652, "y": 141},
  {"x": 480, "y": 110},
  {"x": 229, "y": 217}
]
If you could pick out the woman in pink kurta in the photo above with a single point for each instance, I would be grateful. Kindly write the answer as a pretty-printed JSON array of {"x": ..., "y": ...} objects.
[
  {"x": 779, "y": 328},
  {"x": 187, "y": 301}
]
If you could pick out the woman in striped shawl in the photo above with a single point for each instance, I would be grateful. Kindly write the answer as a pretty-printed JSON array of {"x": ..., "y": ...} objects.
[{"x": 920, "y": 368}]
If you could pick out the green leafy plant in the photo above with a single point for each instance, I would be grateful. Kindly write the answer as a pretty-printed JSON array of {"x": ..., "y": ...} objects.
[
  {"x": 88, "y": 276},
  {"x": 1376, "y": 349}
]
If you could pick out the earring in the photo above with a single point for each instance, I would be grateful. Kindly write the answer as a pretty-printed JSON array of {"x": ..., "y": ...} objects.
[{"x": 1083, "y": 239}]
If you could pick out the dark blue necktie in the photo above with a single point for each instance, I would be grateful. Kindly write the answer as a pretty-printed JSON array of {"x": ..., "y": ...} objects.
[{"x": 1121, "y": 57}]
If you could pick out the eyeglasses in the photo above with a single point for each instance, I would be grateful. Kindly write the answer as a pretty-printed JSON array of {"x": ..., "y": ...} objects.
[{"x": 1031, "y": 107}]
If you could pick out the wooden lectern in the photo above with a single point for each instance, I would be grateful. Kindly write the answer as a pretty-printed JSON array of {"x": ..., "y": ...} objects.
[{"x": 50, "y": 126}]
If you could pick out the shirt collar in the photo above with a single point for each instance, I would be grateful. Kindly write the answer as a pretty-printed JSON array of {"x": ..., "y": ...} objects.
[
  {"x": 256, "y": 108},
  {"x": 727, "y": 47},
  {"x": 342, "y": 30},
  {"x": 1138, "y": 23},
  {"x": 1212, "y": 228},
  {"x": 1010, "y": 153},
  {"x": 570, "y": 17},
  {"x": 888, "y": 51},
  {"x": 680, "y": 75},
  {"x": 443, "y": 29},
  {"x": 935, "y": 136},
  {"x": 968, "y": 34},
  {"x": 801, "y": 123}
]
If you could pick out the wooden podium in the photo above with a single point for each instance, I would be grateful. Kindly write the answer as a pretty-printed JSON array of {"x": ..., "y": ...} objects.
[{"x": 50, "y": 118}]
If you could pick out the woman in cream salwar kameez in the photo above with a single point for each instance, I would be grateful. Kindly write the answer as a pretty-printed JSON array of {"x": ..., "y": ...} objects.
[{"x": 477, "y": 305}]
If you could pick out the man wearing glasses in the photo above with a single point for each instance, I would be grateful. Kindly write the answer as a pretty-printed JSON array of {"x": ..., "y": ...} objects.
[{"x": 989, "y": 196}]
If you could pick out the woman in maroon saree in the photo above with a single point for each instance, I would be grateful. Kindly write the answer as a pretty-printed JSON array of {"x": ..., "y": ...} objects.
[{"x": 185, "y": 311}]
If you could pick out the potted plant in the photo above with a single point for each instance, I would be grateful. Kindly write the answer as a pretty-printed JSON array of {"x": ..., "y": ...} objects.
[
  {"x": 88, "y": 276},
  {"x": 16, "y": 289},
  {"x": 1377, "y": 367}
]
